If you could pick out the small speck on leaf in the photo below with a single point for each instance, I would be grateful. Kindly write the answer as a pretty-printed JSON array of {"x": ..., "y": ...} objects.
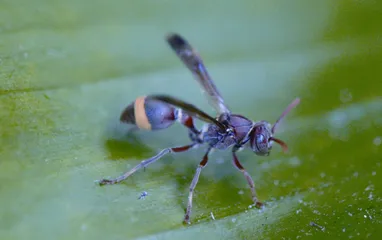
[
  {"x": 377, "y": 141},
  {"x": 143, "y": 195}
]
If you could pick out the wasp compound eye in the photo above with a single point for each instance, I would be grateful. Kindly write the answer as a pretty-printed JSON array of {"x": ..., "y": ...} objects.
[{"x": 261, "y": 143}]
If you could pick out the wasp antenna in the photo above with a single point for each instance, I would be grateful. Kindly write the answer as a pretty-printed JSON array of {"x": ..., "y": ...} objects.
[
  {"x": 286, "y": 111},
  {"x": 281, "y": 143}
]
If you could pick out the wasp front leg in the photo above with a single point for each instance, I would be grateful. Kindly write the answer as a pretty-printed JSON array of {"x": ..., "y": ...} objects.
[{"x": 248, "y": 177}]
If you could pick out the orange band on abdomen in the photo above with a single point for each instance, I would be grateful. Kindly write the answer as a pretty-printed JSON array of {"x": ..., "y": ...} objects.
[{"x": 140, "y": 114}]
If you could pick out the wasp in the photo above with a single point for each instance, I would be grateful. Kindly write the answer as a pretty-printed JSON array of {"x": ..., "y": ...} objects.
[{"x": 226, "y": 130}]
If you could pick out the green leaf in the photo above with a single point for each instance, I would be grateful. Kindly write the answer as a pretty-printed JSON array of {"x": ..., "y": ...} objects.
[{"x": 69, "y": 68}]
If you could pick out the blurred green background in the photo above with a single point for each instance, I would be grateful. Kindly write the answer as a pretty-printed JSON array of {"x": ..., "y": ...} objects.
[{"x": 68, "y": 68}]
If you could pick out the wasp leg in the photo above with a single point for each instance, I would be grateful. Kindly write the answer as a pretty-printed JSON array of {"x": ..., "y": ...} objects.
[
  {"x": 189, "y": 123},
  {"x": 251, "y": 184},
  {"x": 202, "y": 164},
  {"x": 145, "y": 163}
]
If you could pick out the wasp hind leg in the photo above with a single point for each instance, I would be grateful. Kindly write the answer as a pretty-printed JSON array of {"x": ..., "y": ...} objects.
[{"x": 144, "y": 164}]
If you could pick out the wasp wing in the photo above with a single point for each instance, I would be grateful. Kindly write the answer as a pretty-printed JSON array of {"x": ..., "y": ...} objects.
[
  {"x": 189, "y": 109},
  {"x": 194, "y": 63}
]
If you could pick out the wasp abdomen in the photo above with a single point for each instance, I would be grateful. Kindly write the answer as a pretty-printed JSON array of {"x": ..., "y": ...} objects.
[
  {"x": 149, "y": 114},
  {"x": 128, "y": 115}
]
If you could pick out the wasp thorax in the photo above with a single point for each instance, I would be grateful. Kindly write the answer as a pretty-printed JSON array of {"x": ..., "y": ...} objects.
[{"x": 260, "y": 138}]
